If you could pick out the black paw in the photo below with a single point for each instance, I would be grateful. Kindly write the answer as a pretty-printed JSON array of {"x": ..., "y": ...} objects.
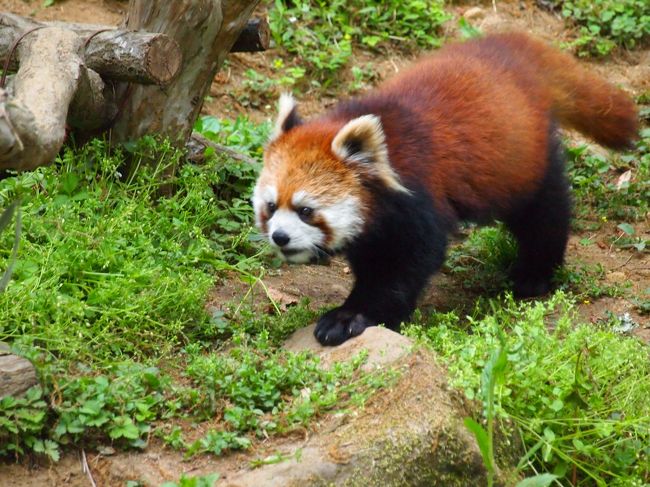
[
  {"x": 531, "y": 287},
  {"x": 337, "y": 325}
]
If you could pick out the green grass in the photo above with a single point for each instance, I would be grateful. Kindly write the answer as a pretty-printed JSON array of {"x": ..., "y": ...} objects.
[
  {"x": 324, "y": 35},
  {"x": 107, "y": 261},
  {"x": 481, "y": 263},
  {"x": 108, "y": 299},
  {"x": 482, "y": 260},
  {"x": 615, "y": 187},
  {"x": 576, "y": 394},
  {"x": 604, "y": 25}
]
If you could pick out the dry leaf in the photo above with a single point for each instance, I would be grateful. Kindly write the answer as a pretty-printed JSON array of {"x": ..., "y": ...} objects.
[{"x": 624, "y": 179}]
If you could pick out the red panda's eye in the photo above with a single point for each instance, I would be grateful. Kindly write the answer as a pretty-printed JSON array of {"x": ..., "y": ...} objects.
[
  {"x": 305, "y": 212},
  {"x": 271, "y": 207}
]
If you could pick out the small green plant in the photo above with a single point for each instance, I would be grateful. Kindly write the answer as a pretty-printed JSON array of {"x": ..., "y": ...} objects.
[
  {"x": 575, "y": 394},
  {"x": 495, "y": 373},
  {"x": 483, "y": 259},
  {"x": 266, "y": 390},
  {"x": 323, "y": 34},
  {"x": 586, "y": 281},
  {"x": 198, "y": 481},
  {"x": 5, "y": 219},
  {"x": 642, "y": 303},
  {"x": 118, "y": 407},
  {"x": 21, "y": 421},
  {"x": 492, "y": 373},
  {"x": 361, "y": 77},
  {"x": 616, "y": 187},
  {"x": 605, "y": 24},
  {"x": 467, "y": 30},
  {"x": 267, "y": 88}
]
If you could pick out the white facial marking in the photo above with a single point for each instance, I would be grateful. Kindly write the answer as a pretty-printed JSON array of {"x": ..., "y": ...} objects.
[
  {"x": 302, "y": 236},
  {"x": 302, "y": 198},
  {"x": 262, "y": 196},
  {"x": 344, "y": 219}
]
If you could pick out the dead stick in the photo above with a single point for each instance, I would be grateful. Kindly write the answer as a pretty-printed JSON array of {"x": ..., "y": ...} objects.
[{"x": 198, "y": 143}]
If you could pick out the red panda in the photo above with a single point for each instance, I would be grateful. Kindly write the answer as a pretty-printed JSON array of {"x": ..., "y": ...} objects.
[{"x": 468, "y": 133}]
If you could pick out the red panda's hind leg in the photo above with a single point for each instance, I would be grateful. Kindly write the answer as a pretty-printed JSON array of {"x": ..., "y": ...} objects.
[{"x": 541, "y": 228}]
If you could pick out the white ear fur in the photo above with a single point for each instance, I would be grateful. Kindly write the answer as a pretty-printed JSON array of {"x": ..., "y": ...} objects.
[
  {"x": 285, "y": 106},
  {"x": 362, "y": 140}
]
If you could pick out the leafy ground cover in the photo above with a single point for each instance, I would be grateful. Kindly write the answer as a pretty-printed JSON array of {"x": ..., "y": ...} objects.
[
  {"x": 110, "y": 288},
  {"x": 575, "y": 393},
  {"x": 109, "y": 291},
  {"x": 606, "y": 24}
]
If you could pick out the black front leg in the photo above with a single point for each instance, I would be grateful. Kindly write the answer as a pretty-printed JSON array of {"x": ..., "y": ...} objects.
[
  {"x": 392, "y": 262},
  {"x": 339, "y": 324},
  {"x": 381, "y": 299}
]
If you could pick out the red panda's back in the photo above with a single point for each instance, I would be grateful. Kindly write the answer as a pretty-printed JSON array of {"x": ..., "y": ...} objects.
[{"x": 488, "y": 124}]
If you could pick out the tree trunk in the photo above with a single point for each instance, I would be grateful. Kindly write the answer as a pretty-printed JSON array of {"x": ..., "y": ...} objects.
[{"x": 205, "y": 30}]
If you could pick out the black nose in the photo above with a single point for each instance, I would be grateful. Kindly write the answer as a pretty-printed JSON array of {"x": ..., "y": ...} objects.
[{"x": 280, "y": 238}]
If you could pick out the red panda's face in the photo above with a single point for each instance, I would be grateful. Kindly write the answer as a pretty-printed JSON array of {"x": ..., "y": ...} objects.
[
  {"x": 306, "y": 202},
  {"x": 310, "y": 199}
]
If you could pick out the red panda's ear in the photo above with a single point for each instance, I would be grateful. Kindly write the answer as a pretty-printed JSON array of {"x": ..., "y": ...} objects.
[
  {"x": 362, "y": 141},
  {"x": 287, "y": 116}
]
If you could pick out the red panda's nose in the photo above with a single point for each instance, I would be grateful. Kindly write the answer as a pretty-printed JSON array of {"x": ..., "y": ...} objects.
[{"x": 280, "y": 238}]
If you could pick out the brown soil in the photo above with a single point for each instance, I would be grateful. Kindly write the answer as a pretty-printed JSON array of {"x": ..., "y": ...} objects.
[
  {"x": 108, "y": 12},
  {"x": 328, "y": 285}
]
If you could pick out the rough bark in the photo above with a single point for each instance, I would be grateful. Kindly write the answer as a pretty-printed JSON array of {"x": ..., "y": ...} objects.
[
  {"x": 93, "y": 107},
  {"x": 17, "y": 374},
  {"x": 140, "y": 57},
  {"x": 205, "y": 30},
  {"x": 32, "y": 121}
]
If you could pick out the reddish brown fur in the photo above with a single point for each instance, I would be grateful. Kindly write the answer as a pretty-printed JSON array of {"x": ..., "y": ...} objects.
[
  {"x": 311, "y": 152},
  {"x": 483, "y": 111}
]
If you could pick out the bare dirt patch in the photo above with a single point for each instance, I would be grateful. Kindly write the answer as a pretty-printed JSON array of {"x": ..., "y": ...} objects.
[{"x": 108, "y": 12}]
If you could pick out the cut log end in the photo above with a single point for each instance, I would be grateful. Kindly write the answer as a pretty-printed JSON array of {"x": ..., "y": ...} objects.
[{"x": 164, "y": 59}]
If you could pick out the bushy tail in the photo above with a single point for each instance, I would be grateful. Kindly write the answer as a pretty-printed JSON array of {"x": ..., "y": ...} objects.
[
  {"x": 579, "y": 99},
  {"x": 588, "y": 103}
]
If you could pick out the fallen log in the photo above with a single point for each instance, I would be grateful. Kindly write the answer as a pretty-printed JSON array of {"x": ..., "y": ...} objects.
[
  {"x": 32, "y": 121},
  {"x": 149, "y": 77},
  {"x": 139, "y": 57}
]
